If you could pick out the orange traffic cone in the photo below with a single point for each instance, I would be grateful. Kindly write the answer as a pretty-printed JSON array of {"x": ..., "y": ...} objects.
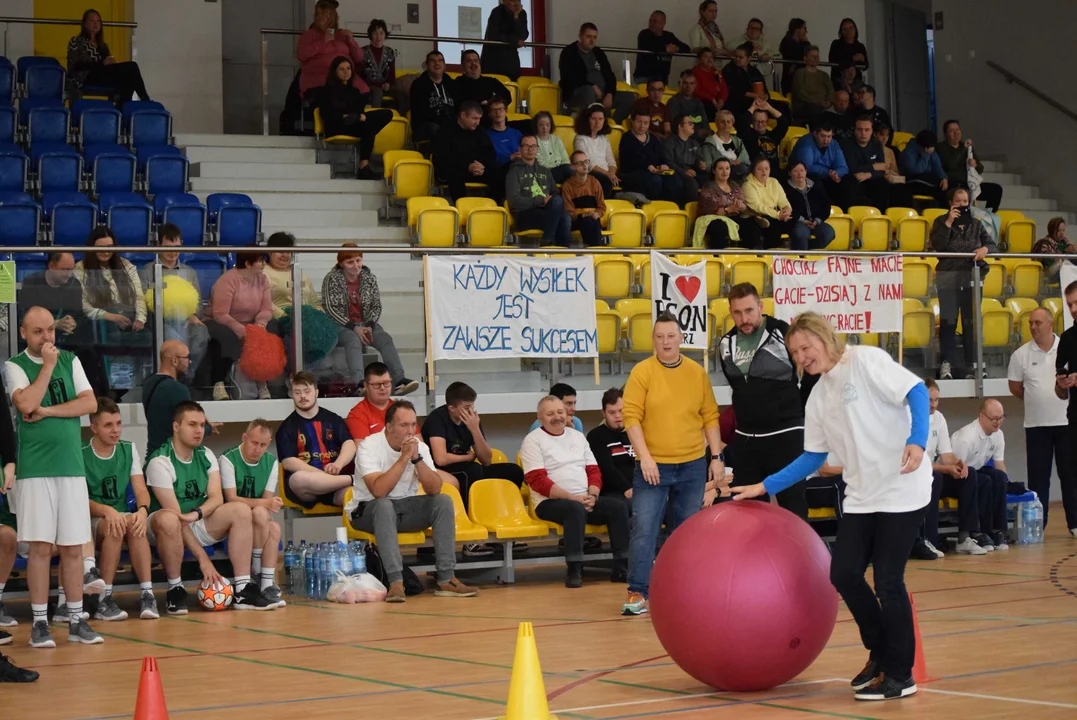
[
  {"x": 150, "y": 704},
  {"x": 919, "y": 666},
  {"x": 527, "y": 692}
]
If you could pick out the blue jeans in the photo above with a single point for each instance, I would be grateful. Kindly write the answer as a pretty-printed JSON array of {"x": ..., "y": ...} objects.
[
  {"x": 682, "y": 484},
  {"x": 195, "y": 337},
  {"x": 804, "y": 238}
]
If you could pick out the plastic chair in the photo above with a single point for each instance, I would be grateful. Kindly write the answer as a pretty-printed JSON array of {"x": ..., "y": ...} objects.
[
  {"x": 166, "y": 172},
  {"x": 47, "y": 124},
  {"x": 7, "y": 82},
  {"x": 216, "y": 201},
  {"x": 715, "y": 271},
  {"x": 567, "y": 135},
  {"x": 916, "y": 278},
  {"x": 410, "y": 178},
  {"x": 843, "y": 231},
  {"x": 1026, "y": 278},
  {"x": 918, "y": 328},
  {"x": 749, "y": 269},
  {"x": 912, "y": 234},
  {"x": 589, "y": 529},
  {"x": 901, "y": 139},
  {"x": 20, "y": 221},
  {"x": 416, "y": 205},
  {"x": 59, "y": 169},
  {"x": 404, "y": 538},
  {"x": 44, "y": 81},
  {"x": 997, "y": 328},
  {"x": 9, "y": 123},
  {"x": 13, "y": 171},
  {"x": 99, "y": 126},
  {"x": 488, "y": 227},
  {"x": 639, "y": 332},
  {"x": 186, "y": 212},
  {"x": 149, "y": 127},
  {"x": 656, "y": 206},
  {"x": 627, "y": 307},
  {"x": 543, "y": 97},
  {"x": 208, "y": 268},
  {"x": 859, "y": 212},
  {"x": 609, "y": 330},
  {"x": 498, "y": 506},
  {"x": 465, "y": 205},
  {"x": 128, "y": 216},
  {"x": 669, "y": 229},
  {"x": 239, "y": 225},
  {"x": 1020, "y": 234},
  {"x": 994, "y": 283},
  {"x": 71, "y": 217},
  {"x": 392, "y": 157},
  {"x": 438, "y": 227},
  {"x": 112, "y": 169},
  {"x": 613, "y": 276},
  {"x": 627, "y": 227}
]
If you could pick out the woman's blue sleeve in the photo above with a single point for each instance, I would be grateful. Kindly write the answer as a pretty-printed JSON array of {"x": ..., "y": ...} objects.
[
  {"x": 794, "y": 472},
  {"x": 920, "y": 406}
]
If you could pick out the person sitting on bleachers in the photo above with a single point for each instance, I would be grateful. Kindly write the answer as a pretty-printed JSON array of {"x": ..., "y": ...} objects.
[
  {"x": 723, "y": 143},
  {"x": 320, "y": 45},
  {"x": 957, "y": 155},
  {"x": 464, "y": 154},
  {"x": 767, "y": 201},
  {"x": 585, "y": 73},
  {"x": 352, "y": 299},
  {"x": 473, "y": 85},
  {"x": 432, "y": 99},
  {"x": 1054, "y": 243},
  {"x": 878, "y": 115},
  {"x": 368, "y": 416},
  {"x": 90, "y": 62},
  {"x": 392, "y": 464},
  {"x": 825, "y": 162},
  {"x": 686, "y": 156},
  {"x": 722, "y": 214},
  {"x": 344, "y": 111},
  {"x": 846, "y": 80},
  {"x": 379, "y": 71},
  {"x": 643, "y": 164},
  {"x": 584, "y": 201},
  {"x": 746, "y": 84},
  {"x": 867, "y": 165},
  {"x": 552, "y": 153},
  {"x": 900, "y": 195},
  {"x": 566, "y": 486},
  {"x": 686, "y": 103},
  {"x": 612, "y": 449},
  {"x": 279, "y": 271},
  {"x": 812, "y": 90},
  {"x": 920, "y": 165},
  {"x": 505, "y": 139},
  {"x": 592, "y": 131},
  {"x": 840, "y": 116},
  {"x": 760, "y": 141},
  {"x": 190, "y": 331},
  {"x": 975, "y": 444},
  {"x": 711, "y": 89},
  {"x": 534, "y": 202},
  {"x": 567, "y": 395},
  {"x": 659, "y": 42},
  {"x": 661, "y": 124},
  {"x": 811, "y": 208}
]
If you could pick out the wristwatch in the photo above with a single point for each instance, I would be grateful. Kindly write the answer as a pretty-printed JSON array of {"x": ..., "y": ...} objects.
[
  {"x": 417, "y": 460},
  {"x": 719, "y": 457},
  {"x": 143, "y": 507},
  {"x": 199, "y": 511}
]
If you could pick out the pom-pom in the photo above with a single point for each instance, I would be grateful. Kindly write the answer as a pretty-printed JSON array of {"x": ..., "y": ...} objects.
[
  {"x": 263, "y": 357},
  {"x": 181, "y": 298},
  {"x": 319, "y": 333}
]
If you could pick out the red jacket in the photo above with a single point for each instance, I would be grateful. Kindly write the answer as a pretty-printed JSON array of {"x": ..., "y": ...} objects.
[{"x": 709, "y": 85}]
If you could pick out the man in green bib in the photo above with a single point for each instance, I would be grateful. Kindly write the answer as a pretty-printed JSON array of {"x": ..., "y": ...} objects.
[
  {"x": 187, "y": 501},
  {"x": 50, "y": 392},
  {"x": 249, "y": 476},
  {"x": 112, "y": 466}
]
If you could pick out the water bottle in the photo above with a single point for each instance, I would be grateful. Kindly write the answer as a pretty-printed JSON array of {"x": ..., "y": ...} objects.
[
  {"x": 358, "y": 557},
  {"x": 1036, "y": 526},
  {"x": 326, "y": 571},
  {"x": 289, "y": 568},
  {"x": 310, "y": 571},
  {"x": 1027, "y": 518},
  {"x": 341, "y": 549}
]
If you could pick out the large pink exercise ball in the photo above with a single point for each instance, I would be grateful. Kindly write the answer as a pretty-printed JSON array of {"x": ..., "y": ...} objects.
[{"x": 741, "y": 597}]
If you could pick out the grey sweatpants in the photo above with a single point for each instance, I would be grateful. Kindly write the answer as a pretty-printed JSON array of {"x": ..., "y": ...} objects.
[
  {"x": 382, "y": 342},
  {"x": 385, "y": 518}
]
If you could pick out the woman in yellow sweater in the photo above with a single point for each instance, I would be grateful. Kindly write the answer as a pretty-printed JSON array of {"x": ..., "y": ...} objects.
[
  {"x": 766, "y": 200},
  {"x": 669, "y": 409}
]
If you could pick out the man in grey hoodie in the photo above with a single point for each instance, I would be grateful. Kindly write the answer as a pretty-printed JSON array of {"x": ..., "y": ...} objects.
[{"x": 533, "y": 198}]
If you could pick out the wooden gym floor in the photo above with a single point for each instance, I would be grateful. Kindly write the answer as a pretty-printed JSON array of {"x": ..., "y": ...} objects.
[{"x": 1000, "y": 634}]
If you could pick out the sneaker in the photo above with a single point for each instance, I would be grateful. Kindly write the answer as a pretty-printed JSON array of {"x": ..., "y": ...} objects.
[
  {"x": 90, "y": 603},
  {"x": 455, "y": 588},
  {"x": 619, "y": 574},
  {"x": 220, "y": 392},
  {"x": 92, "y": 584},
  {"x": 63, "y": 615},
  {"x": 945, "y": 373},
  {"x": 176, "y": 601},
  {"x": 251, "y": 598},
  {"x": 984, "y": 541},
  {"x": 1000, "y": 541},
  {"x": 932, "y": 548},
  {"x": 81, "y": 632},
  {"x": 272, "y": 594},
  {"x": 109, "y": 611},
  {"x": 636, "y": 604},
  {"x": 148, "y": 606},
  {"x": 9, "y": 672},
  {"x": 5, "y": 619},
  {"x": 263, "y": 392},
  {"x": 367, "y": 173},
  {"x": 865, "y": 676},
  {"x": 477, "y": 550},
  {"x": 5, "y": 638},
  {"x": 920, "y": 551},
  {"x": 968, "y": 546},
  {"x": 1073, "y": 532},
  {"x": 886, "y": 688},
  {"x": 40, "y": 637},
  {"x": 574, "y": 575},
  {"x": 396, "y": 592},
  {"x": 405, "y": 386}
]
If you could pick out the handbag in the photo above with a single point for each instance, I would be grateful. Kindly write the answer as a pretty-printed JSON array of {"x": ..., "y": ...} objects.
[
  {"x": 375, "y": 566},
  {"x": 975, "y": 180}
]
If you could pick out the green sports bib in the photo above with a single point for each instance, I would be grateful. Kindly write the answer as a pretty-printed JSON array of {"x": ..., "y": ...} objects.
[
  {"x": 251, "y": 480},
  {"x": 107, "y": 480},
  {"x": 49, "y": 447},
  {"x": 192, "y": 478}
]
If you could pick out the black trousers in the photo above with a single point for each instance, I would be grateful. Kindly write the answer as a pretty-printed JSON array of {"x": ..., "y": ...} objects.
[
  {"x": 224, "y": 349},
  {"x": 605, "y": 182},
  {"x": 751, "y": 235},
  {"x": 992, "y": 498},
  {"x": 494, "y": 179},
  {"x": 844, "y": 193},
  {"x": 758, "y": 457},
  {"x": 956, "y": 297},
  {"x": 609, "y": 511},
  {"x": 927, "y": 185},
  {"x": 470, "y": 472},
  {"x": 884, "y": 616},
  {"x": 772, "y": 235},
  {"x": 875, "y": 192},
  {"x": 590, "y": 230},
  {"x": 125, "y": 78},
  {"x": 366, "y": 131},
  {"x": 1042, "y": 445},
  {"x": 966, "y": 490}
]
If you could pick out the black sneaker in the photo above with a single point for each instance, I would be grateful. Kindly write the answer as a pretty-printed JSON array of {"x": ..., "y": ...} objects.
[
  {"x": 9, "y": 672},
  {"x": 251, "y": 598},
  {"x": 865, "y": 676},
  {"x": 5, "y": 638},
  {"x": 176, "y": 601},
  {"x": 592, "y": 543},
  {"x": 574, "y": 575},
  {"x": 405, "y": 386},
  {"x": 984, "y": 541},
  {"x": 886, "y": 688},
  {"x": 920, "y": 551},
  {"x": 619, "y": 574}
]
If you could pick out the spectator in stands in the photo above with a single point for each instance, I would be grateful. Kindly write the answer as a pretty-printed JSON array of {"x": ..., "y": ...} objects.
[
  {"x": 314, "y": 448},
  {"x": 473, "y": 85},
  {"x": 162, "y": 394},
  {"x": 769, "y": 204},
  {"x": 812, "y": 90},
  {"x": 900, "y": 193},
  {"x": 653, "y": 106},
  {"x": 826, "y": 163},
  {"x": 671, "y": 418},
  {"x": 507, "y": 24},
  {"x": 811, "y": 208},
  {"x": 90, "y": 62},
  {"x": 190, "y": 331},
  {"x": 552, "y": 153},
  {"x": 919, "y": 163},
  {"x": 847, "y": 49},
  {"x": 368, "y": 416},
  {"x": 686, "y": 156},
  {"x": 658, "y": 43},
  {"x": 385, "y": 501},
  {"x": 344, "y": 111},
  {"x": 379, "y": 71},
  {"x": 722, "y": 214},
  {"x": 321, "y": 44},
  {"x": 567, "y": 395},
  {"x": 957, "y": 232},
  {"x": 586, "y": 74},
  {"x": 745, "y": 82},
  {"x": 686, "y": 103},
  {"x": 612, "y": 449},
  {"x": 352, "y": 300},
  {"x": 847, "y": 81},
  {"x": 710, "y": 86},
  {"x": 592, "y": 130},
  {"x": 432, "y": 99},
  {"x": 505, "y": 139},
  {"x": 867, "y": 165},
  {"x": 840, "y": 117},
  {"x": 1054, "y": 243},
  {"x": 238, "y": 299},
  {"x": 584, "y": 201},
  {"x": 958, "y": 156},
  {"x": 878, "y": 115},
  {"x": 758, "y": 138},
  {"x": 793, "y": 48},
  {"x": 464, "y": 154},
  {"x": 533, "y": 199},
  {"x": 761, "y": 51},
  {"x": 1032, "y": 378},
  {"x": 706, "y": 34},
  {"x": 643, "y": 164},
  {"x": 723, "y": 143},
  {"x": 975, "y": 444},
  {"x": 566, "y": 486},
  {"x": 278, "y": 270}
]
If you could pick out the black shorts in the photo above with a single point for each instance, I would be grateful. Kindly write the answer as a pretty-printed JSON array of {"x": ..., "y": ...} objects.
[{"x": 326, "y": 499}]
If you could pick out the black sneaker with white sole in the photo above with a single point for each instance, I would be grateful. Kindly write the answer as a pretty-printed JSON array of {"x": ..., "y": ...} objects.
[
  {"x": 885, "y": 687},
  {"x": 405, "y": 386},
  {"x": 9, "y": 672},
  {"x": 865, "y": 676},
  {"x": 176, "y": 601},
  {"x": 920, "y": 551},
  {"x": 5, "y": 638},
  {"x": 251, "y": 598}
]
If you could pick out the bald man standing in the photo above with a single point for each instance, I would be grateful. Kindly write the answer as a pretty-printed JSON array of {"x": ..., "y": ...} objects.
[
  {"x": 162, "y": 392},
  {"x": 975, "y": 444}
]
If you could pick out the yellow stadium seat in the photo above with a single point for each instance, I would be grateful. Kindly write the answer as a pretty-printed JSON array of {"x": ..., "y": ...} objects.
[
  {"x": 715, "y": 270},
  {"x": 614, "y": 204},
  {"x": 916, "y": 278},
  {"x": 319, "y": 133},
  {"x": 897, "y": 214},
  {"x": 835, "y": 210},
  {"x": 514, "y": 91},
  {"x": 1026, "y": 278},
  {"x": 750, "y": 269},
  {"x": 719, "y": 308},
  {"x": 498, "y": 506},
  {"x": 467, "y": 530},
  {"x": 411, "y": 178},
  {"x": 997, "y": 328},
  {"x": 609, "y": 330},
  {"x": 416, "y": 205},
  {"x": 393, "y": 136},
  {"x": 639, "y": 333},
  {"x": 589, "y": 529},
  {"x": 627, "y": 307},
  {"x": 912, "y": 234},
  {"x": 627, "y": 228},
  {"x": 1021, "y": 308},
  {"x": 909, "y": 304},
  {"x": 656, "y": 206},
  {"x": 526, "y": 81},
  {"x": 1020, "y": 235},
  {"x": 785, "y": 149},
  {"x": 669, "y": 228},
  {"x": 465, "y": 205},
  {"x": 392, "y": 157},
  {"x": 875, "y": 234},
  {"x": 567, "y": 135},
  {"x": 563, "y": 121},
  {"x": 900, "y": 139},
  {"x": 645, "y": 278},
  {"x": 930, "y": 214},
  {"x": 614, "y": 276},
  {"x": 601, "y": 305},
  {"x": 692, "y": 209},
  {"x": 843, "y": 231},
  {"x": 859, "y": 212},
  {"x": 994, "y": 284},
  {"x": 488, "y": 227},
  {"x": 543, "y": 97},
  {"x": 438, "y": 227},
  {"x": 918, "y": 328},
  {"x": 615, "y": 143},
  {"x": 288, "y": 504},
  {"x": 404, "y": 538}
]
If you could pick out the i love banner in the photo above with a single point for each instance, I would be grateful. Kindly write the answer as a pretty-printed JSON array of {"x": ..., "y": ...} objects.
[{"x": 681, "y": 290}]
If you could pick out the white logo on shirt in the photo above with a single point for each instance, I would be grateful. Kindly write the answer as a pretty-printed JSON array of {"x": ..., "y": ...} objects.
[{"x": 848, "y": 394}]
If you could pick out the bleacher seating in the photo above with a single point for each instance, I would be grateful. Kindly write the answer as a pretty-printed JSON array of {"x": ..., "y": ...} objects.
[
  {"x": 112, "y": 168},
  {"x": 70, "y": 217},
  {"x": 14, "y": 169},
  {"x": 20, "y": 219},
  {"x": 183, "y": 210},
  {"x": 129, "y": 216},
  {"x": 233, "y": 219}
]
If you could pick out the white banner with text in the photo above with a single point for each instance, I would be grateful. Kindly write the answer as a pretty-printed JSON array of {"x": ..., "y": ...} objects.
[
  {"x": 857, "y": 294},
  {"x": 681, "y": 290}
]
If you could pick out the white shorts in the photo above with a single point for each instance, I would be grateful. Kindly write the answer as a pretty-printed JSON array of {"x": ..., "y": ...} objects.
[
  {"x": 53, "y": 510},
  {"x": 95, "y": 521},
  {"x": 198, "y": 527}
]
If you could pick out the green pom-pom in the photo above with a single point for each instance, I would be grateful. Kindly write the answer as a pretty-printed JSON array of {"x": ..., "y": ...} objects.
[{"x": 319, "y": 333}]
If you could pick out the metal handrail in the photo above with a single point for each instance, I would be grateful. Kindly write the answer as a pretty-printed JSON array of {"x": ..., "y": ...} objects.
[
  {"x": 1014, "y": 80},
  {"x": 53, "y": 21}
]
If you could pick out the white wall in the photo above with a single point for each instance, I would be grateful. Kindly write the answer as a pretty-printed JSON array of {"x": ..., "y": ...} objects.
[
  {"x": 356, "y": 14},
  {"x": 19, "y": 38}
]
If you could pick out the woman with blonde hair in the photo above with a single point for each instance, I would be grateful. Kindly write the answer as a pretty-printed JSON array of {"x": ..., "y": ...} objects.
[{"x": 873, "y": 415}]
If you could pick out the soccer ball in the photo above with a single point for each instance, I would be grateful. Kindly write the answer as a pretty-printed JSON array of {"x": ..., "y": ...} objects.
[{"x": 217, "y": 596}]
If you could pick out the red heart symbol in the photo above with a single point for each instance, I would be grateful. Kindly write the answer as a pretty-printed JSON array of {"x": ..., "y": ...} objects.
[{"x": 688, "y": 285}]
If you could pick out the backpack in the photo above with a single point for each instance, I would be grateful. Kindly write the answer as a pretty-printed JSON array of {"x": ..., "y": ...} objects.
[{"x": 374, "y": 566}]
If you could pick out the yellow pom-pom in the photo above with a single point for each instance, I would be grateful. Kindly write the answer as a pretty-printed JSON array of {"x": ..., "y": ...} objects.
[{"x": 181, "y": 298}]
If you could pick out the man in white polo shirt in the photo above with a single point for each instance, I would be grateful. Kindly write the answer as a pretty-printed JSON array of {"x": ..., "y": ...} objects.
[
  {"x": 976, "y": 443},
  {"x": 1032, "y": 379}
]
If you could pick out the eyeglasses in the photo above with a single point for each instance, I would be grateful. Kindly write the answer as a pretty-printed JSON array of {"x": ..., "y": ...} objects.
[
  {"x": 995, "y": 420},
  {"x": 381, "y": 385},
  {"x": 580, "y": 163},
  {"x": 528, "y": 146}
]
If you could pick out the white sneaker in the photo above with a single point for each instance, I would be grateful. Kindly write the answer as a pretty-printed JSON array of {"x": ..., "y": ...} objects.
[
  {"x": 220, "y": 392},
  {"x": 932, "y": 548},
  {"x": 968, "y": 546},
  {"x": 263, "y": 392},
  {"x": 944, "y": 372},
  {"x": 1073, "y": 532}
]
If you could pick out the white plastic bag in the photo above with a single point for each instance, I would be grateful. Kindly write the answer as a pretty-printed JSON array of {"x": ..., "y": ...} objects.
[{"x": 356, "y": 589}]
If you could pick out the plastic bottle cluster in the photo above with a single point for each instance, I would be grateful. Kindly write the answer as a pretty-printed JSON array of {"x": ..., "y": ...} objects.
[{"x": 310, "y": 570}]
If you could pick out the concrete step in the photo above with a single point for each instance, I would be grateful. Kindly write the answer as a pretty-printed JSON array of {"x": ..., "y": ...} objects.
[
  {"x": 1042, "y": 217},
  {"x": 993, "y": 166},
  {"x": 318, "y": 218},
  {"x": 199, "y": 153},
  {"x": 260, "y": 171},
  {"x": 252, "y": 185},
  {"x": 264, "y": 141},
  {"x": 1020, "y": 191},
  {"x": 1002, "y": 178},
  {"x": 1028, "y": 203},
  {"x": 312, "y": 202}
]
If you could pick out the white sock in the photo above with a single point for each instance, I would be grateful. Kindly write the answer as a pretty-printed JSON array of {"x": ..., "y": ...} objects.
[
  {"x": 108, "y": 590},
  {"x": 75, "y": 611},
  {"x": 268, "y": 578},
  {"x": 87, "y": 563},
  {"x": 256, "y": 561},
  {"x": 41, "y": 612},
  {"x": 241, "y": 581},
  {"x": 175, "y": 583},
  {"x": 146, "y": 586},
  {"x": 2, "y": 591},
  {"x": 61, "y": 597}
]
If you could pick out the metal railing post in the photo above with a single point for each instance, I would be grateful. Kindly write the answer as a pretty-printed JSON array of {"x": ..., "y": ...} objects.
[
  {"x": 297, "y": 315},
  {"x": 265, "y": 84},
  {"x": 158, "y": 309},
  {"x": 977, "y": 331}
]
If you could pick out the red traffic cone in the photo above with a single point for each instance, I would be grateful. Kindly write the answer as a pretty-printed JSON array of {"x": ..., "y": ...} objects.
[
  {"x": 150, "y": 704},
  {"x": 919, "y": 665}
]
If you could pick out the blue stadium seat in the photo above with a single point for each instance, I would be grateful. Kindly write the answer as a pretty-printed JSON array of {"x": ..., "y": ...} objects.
[
  {"x": 112, "y": 168},
  {"x": 59, "y": 168},
  {"x": 20, "y": 220},
  {"x": 80, "y": 106},
  {"x": 28, "y": 61},
  {"x": 216, "y": 201},
  {"x": 208, "y": 268},
  {"x": 30, "y": 263},
  {"x": 99, "y": 126},
  {"x": 71, "y": 217},
  {"x": 47, "y": 124},
  {"x": 13, "y": 168},
  {"x": 238, "y": 225},
  {"x": 133, "y": 106},
  {"x": 44, "y": 81},
  {"x": 129, "y": 217},
  {"x": 165, "y": 170},
  {"x": 149, "y": 128},
  {"x": 9, "y": 123},
  {"x": 185, "y": 211},
  {"x": 28, "y": 105},
  {"x": 7, "y": 82}
]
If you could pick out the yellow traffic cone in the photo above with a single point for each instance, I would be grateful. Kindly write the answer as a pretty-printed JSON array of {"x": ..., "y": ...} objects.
[{"x": 527, "y": 692}]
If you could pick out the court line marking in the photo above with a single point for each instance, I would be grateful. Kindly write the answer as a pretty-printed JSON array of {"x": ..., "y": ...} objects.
[
  {"x": 1002, "y": 698},
  {"x": 598, "y": 676}
]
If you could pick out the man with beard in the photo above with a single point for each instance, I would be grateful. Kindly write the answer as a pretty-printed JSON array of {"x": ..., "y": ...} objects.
[{"x": 162, "y": 392}]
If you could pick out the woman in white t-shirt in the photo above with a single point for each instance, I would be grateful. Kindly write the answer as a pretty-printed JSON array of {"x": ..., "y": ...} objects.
[{"x": 872, "y": 415}]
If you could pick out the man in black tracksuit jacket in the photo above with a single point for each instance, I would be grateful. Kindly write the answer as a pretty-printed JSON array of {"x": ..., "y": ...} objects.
[{"x": 767, "y": 402}]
